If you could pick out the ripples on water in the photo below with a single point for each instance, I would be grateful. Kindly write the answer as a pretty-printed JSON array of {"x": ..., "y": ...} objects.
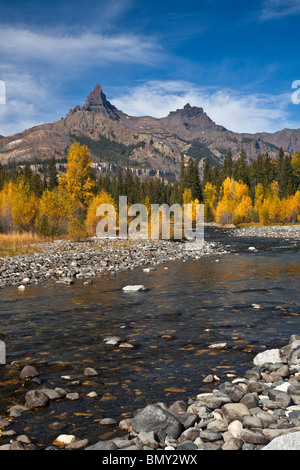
[{"x": 60, "y": 330}]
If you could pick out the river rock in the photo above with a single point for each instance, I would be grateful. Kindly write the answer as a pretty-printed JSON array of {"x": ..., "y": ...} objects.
[
  {"x": 137, "y": 288},
  {"x": 90, "y": 372},
  {"x": 235, "y": 411},
  {"x": 253, "y": 437},
  {"x": 294, "y": 392},
  {"x": 103, "y": 445},
  {"x": 154, "y": 418},
  {"x": 271, "y": 355},
  {"x": 36, "y": 399},
  {"x": 148, "y": 439},
  {"x": 285, "y": 442},
  {"x": 28, "y": 372},
  {"x": 64, "y": 439}
]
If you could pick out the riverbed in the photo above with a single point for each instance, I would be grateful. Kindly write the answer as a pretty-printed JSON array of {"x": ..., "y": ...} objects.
[{"x": 248, "y": 299}]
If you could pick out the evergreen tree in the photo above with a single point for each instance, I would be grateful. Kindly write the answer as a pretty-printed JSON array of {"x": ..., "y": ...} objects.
[
  {"x": 129, "y": 186},
  {"x": 227, "y": 170},
  {"x": 240, "y": 168},
  {"x": 182, "y": 170},
  {"x": 207, "y": 172},
  {"x": 192, "y": 180},
  {"x": 269, "y": 170},
  {"x": 52, "y": 172}
]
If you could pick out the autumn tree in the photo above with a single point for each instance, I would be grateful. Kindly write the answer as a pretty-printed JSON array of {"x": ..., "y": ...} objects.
[
  {"x": 296, "y": 164},
  {"x": 77, "y": 180},
  {"x": 209, "y": 195},
  {"x": 55, "y": 209},
  {"x": 52, "y": 172},
  {"x": 92, "y": 219}
]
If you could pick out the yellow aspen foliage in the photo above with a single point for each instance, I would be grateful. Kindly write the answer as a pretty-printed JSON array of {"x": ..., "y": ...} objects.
[
  {"x": 77, "y": 180},
  {"x": 24, "y": 208},
  {"x": 235, "y": 203},
  {"x": 291, "y": 208},
  {"x": 148, "y": 204},
  {"x": 92, "y": 219},
  {"x": 209, "y": 195},
  {"x": 259, "y": 195},
  {"x": 7, "y": 196},
  {"x": 296, "y": 164},
  {"x": 270, "y": 209},
  {"x": 187, "y": 196},
  {"x": 243, "y": 209},
  {"x": 55, "y": 208}
]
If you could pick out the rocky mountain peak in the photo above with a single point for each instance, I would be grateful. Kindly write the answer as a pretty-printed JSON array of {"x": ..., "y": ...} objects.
[{"x": 96, "y": 103}]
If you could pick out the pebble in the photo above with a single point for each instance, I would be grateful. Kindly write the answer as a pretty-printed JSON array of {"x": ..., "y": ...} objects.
[
  {"x": 64, "y": 439},
  {"x": 64, "y": 262}
]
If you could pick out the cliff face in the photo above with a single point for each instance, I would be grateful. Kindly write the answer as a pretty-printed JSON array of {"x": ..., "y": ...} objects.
[{"x": 147, "y": 142}]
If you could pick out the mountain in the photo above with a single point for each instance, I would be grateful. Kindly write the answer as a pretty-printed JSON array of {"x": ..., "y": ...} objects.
[{"x": 145, "y": 143}]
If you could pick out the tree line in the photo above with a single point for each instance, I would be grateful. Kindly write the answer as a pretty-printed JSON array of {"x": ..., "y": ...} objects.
[{"x": 264, "y": 191}]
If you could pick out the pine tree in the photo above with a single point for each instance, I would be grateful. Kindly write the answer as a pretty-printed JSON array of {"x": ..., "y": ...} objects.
[
  {"x": 52, "y": 172},
  {"x": 227, "y": 170},
  {"x": 240, "y": 168},
  {"x": 192, "y": 180},
  {"x": 207, "y": 172}
]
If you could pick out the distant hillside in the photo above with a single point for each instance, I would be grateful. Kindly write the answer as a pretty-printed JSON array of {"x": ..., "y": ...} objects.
[{"x": 141, "y": 142}]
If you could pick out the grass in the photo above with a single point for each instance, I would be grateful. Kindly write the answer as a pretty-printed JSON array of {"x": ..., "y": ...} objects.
[{"x": 16, "y": 243}]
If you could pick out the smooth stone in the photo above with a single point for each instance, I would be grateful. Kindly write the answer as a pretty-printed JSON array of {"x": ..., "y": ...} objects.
[
  {"x": 52, "y": 394},
  {"x": 64, "y": 439},
  {"x": 253, "y": 437},
  {"x": 154, "y": 418},
  {"x": 271, "y": 355},
  {"x": 235, "y": 411},
  {"x": 148, "y": 439},
  {"x": 103, "y": 445},
  {"x": 72, "y": 396},
  {"x": 235, "y": 428},
  {"x": 77, "y": 444},
  {"x": 92, "y": 394},
  {"x": 36, "y": 399},
  {"x": 137, "y": 288},
  {"x": 29, "y": 372},
  {"x": 108, "y": 421},
  {"x": 90, "y": 372},
  {"x": 285, "y": 442}
]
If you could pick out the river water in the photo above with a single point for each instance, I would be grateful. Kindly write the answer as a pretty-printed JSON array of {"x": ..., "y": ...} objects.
[{"x": 187, "y": 307}]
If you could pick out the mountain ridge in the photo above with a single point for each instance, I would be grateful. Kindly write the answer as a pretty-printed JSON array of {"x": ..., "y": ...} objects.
[{"x": 155, "y": 143}]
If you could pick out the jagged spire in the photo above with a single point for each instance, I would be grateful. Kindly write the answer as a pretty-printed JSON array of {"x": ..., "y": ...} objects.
[{"x": 97, "y": 103}]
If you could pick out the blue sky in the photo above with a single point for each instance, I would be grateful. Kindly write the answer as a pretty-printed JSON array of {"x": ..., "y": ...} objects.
[{"x": 237, "y": 60}]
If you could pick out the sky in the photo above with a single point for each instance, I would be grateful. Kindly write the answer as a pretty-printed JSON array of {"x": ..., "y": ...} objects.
[{"x": 238, "y": 60}]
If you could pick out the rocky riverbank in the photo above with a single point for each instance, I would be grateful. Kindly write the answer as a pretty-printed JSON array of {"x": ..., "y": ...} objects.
[
  {"x": 65, "y": 262},
  {"x": 260, "y": 411},
  {"x": 287, "y": 232}
]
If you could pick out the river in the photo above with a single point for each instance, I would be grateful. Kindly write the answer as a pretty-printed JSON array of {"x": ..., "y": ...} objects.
[{"x": 186, "y": 308}]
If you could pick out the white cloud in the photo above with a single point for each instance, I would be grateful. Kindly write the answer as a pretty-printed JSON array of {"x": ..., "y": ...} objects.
[
  {"x": 237, "y": 111},
  {"x": 28, "y": 102},
  {"x": 36, "y": 65},
  {"x": 277, "y": 9},
  {"x": 73, "y": 48}
]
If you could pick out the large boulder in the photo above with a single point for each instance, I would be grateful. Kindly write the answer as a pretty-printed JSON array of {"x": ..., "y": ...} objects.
[
  {"x": 271, "y": 355},
  {"x": 289, "y": 441},
  {"x": 154, "y": 418}
]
